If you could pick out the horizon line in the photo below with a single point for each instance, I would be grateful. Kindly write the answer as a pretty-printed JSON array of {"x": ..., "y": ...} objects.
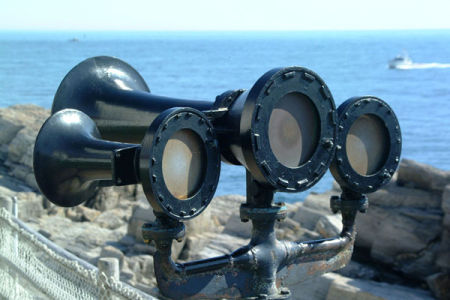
[{"x": 218, "y": 30}]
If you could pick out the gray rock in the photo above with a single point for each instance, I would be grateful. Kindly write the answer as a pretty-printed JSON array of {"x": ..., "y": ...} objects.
[
  {"x": 141, "y": 214},
  {"x": 446, "y": 199},
  {"x": 308, "y": 217},
  {"x": 108, "y": 198},
  {"x": 443, "y": 255},
  {"x": 6, "y": 203},
  {"x": 399, "y": 234},
  {"x": 357, "y": 289},
  {"x": 29, "y": 205},
  {"x": 20, "y": 149},
  {"x": 110, "y": 219},
  {"x": 222, "y": 207},
  {"x": 315, "y": 289},
  {"x": 110, "y": 251},
  {"x": 10, "y": 185},
  {"x": 14, "y": 118},
  {"x": 397, "y": 196},
  {"x": 439, "y": 284},
  {"x": 446, "y": 222},
  {"x": 236, "y": 227},
  {"x": 147, "y": 267},
  {"x": 218, "y": 244},
  {"x": 319, "y": 202},
  {"x": 329, "y": 226},
  {"x": 422, "y": 176},
  {"x": 357, "y": 270},
  {"x": 421, "y": 264},
  {"x": 82, "y": 213}
]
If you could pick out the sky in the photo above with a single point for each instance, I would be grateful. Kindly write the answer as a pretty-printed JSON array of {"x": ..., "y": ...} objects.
[{"x": 193, "y": 15}]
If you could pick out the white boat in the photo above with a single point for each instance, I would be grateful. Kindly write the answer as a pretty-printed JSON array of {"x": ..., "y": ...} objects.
[{"x": 400, "y": 61}]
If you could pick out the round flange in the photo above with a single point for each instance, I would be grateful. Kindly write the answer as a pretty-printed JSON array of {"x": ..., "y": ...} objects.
[
  {"x": 157, "y": 232},
  {"x": 263, "y": 98},
  {"x": 373, "y": 115},
  {"x": 278, "y": 211},
  {"x": 160, "y": 186}
]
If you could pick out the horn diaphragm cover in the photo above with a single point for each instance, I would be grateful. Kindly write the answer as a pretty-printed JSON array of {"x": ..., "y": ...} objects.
[
  {"x": 289, "y": 126},
  {"x": 369, "y": 144},
  {"x": 180, "y": 163}
]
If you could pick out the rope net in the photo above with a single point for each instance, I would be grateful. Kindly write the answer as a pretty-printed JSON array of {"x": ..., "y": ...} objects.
[{"x": 32, "y": 267}]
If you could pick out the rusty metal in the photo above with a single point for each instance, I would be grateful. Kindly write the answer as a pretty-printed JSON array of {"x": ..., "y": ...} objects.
[{"x": 263, "y": 268}]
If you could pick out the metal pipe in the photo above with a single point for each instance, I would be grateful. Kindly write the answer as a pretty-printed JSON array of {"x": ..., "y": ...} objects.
[{"x": 260, "y": 267}]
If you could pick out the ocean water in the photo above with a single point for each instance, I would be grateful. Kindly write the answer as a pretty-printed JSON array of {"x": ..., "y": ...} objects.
[{"x": 202, "y": 65}]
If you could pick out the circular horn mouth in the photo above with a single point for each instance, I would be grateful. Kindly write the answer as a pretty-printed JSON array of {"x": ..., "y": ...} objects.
[
  {"x": 289, "y": 118},
  {"x": 180, "y": 163},
  {"x": 369, "y": 144},
  {"x": 61, "y": 144}
]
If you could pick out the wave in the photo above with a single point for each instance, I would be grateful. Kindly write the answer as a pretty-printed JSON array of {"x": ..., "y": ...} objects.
[{"x": 422, "y": 66}]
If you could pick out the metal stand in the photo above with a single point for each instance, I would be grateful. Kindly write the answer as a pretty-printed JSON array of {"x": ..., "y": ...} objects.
[{"x": 261, "y": 269}]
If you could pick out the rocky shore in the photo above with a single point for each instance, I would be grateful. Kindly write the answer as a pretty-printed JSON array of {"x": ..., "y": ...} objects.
[{"x": 402, "y": 248}]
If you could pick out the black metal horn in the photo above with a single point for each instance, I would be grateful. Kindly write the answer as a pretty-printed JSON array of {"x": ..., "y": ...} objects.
[
  {"x": 282, "y": 129},
  {"x": 178, "y": 162},
  {"x": 115, "y": 96},
  {"x": 70, "y": 158}
]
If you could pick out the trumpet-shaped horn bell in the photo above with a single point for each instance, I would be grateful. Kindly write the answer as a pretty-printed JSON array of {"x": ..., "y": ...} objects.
[
  {"x": 70, "y": 159},
  {"x": 116, "y": 97}
]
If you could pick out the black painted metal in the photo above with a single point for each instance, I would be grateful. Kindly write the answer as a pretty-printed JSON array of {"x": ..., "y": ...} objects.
[
  {"x": 248, "y": 121},
  {"x": 154, "y": 142},
  {"x": 349, "y": 112},
  {"x": 70, "y": 159},
  {"x": 257, "y": 270},
  {"x": 116, "y": 97}
]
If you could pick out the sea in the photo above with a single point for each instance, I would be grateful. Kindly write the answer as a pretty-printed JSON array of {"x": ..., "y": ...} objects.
[{"x": 201, "y": 65}]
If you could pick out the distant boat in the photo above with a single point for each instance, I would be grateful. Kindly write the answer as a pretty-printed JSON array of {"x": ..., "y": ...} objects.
[
  {"x": 400, "y": 62},
  {"x": 74, "y": 40}
]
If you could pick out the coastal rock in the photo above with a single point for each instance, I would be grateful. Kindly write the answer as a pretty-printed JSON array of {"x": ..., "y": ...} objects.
[
  {"x": 443, "y": 253},
  {"x": 329, "y": 226},
  {"x": 29, "y": 205},
  {"x": 360, "y": 271},
  {"x": 141, "y": 214},
  {"x": 403, "y": 226},
  {"x": 110, "y": 251},
  {"x": 82, "y": 213},
  {"x": 446, "y": 199},
  {"x": 357, "y": 289},
  {"x": 308, "y": 217},
  {"x": 439, "y": 284},
  {"x": 316, "y": 288},
  {"x": 422, "y": 176},
  {"x": 20, "y": 125},
  {"x": 111, "y": 219}
]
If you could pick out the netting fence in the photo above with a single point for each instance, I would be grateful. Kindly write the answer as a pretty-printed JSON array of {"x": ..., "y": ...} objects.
[{"x": 32, "y": 267}]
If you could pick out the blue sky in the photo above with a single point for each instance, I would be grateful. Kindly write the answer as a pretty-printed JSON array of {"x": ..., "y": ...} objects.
[{"x": 159, "y": 15}]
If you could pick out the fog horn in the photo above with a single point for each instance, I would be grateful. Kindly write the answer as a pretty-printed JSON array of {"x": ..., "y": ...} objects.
[
  {"x": 178, "y": 161},
  {"x": 282, "y": 129}
]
